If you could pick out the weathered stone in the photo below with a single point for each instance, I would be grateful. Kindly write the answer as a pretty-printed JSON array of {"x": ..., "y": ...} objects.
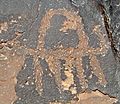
[{"x": 59, "y": 52}]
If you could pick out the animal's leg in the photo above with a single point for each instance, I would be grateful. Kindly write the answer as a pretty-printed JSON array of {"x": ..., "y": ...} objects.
[
  {"x": 38, "y": 77},
  {"x": 97, "y": 69},
  {"x": 81, "y": 73}
]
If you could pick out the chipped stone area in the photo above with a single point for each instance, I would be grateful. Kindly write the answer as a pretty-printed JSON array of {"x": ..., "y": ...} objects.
[
  {"x": 56, "y": 52},
  {"x": 11, "y": 61},
  {"x": 3, "y": 27},
  {"x": 93, "y": 97},
  {"x": 10, "y": 28}
]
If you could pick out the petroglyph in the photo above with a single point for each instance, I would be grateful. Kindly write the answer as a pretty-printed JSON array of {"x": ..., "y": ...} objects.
[
  {"x": 72, "y": 55},
  {"x": 13, "y": 50},
  {"x": 12, "y": 56}
]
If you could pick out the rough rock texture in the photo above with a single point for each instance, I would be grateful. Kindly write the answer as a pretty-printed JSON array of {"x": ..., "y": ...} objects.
[{"x": 59, "y": 52}]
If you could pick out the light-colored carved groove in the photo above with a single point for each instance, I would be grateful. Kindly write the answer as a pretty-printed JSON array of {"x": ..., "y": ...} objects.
[{"x": 72, "y": 55}]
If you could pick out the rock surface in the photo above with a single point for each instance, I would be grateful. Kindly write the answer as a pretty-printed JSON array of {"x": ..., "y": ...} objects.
[{"x": 59, "y": 52}]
